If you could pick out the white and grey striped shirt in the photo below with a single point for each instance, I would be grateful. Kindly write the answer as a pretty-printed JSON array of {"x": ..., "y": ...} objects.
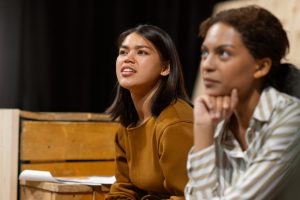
[{"x": 224, "y": 171}]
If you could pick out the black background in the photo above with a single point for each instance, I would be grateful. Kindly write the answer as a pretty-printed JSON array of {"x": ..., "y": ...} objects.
[{"x": 59, "y": 55}]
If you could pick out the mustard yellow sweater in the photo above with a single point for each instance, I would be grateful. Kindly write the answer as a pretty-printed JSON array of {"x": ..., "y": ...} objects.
[{"x": 151, "y": 158}]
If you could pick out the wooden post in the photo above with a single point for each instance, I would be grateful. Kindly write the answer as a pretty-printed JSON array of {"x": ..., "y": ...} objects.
[{"x": 9, "y": 140}]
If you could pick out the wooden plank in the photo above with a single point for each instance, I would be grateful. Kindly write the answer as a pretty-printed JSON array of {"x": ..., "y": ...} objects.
[
  {"x": 29, "y": 193},
  {"x": 57, "y": 187},
  {"x": 9, "y": 136},
  {"x": 71, "y": 116},
  {"x": 66, "y": 144},
  {"x": 55, "y": 191},
  {"x": 36, "y": 190},
  {"x": 99, "y": 193},
  {"x": 103, "y": 168},
  {"x": 33, "y": 194},
  {"x": 44, "y": 141}
]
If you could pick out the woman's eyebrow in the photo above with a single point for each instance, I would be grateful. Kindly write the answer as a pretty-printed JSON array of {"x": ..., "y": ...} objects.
[
  {"x": 136, "y": 47},
  {"x": 220, "y": 46}
]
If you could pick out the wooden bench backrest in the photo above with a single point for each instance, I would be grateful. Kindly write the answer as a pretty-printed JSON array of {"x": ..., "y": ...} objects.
[{"x": 67, "y": 144}]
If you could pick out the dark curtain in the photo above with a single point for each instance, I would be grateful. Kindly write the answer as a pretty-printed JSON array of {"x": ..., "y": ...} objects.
[
  {"x": 67, "y": 48},
  {"x": 10, "y": 31}
]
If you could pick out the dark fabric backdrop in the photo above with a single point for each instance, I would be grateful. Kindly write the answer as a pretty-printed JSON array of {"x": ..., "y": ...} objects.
[{"x": 61, "y": 53}]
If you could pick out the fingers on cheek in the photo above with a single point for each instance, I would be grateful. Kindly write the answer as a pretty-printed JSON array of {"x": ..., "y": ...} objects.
[
  {"x": 212, "y": 106},
  {"x": 209, "y": 102},
  {"x": 217, "y": 107},
  {"x": 225, "y": 106},
  {"x": 202, "y": 100},
  {"x": 221, "y": 107}
]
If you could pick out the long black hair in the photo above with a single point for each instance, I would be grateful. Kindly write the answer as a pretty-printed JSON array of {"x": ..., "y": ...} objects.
[{"x": 171, "y": 87}]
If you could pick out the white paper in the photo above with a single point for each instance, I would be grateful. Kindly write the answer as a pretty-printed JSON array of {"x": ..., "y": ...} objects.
[
  {"x": 37, "y": 175},
  {"x": 91, "y": 180}
]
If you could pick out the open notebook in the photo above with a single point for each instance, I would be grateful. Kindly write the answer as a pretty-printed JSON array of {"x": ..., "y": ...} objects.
[{"x": 37, "y": 175}]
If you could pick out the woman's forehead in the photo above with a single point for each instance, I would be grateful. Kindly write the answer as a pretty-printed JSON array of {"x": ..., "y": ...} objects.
[{"x": 224, "y": 34}]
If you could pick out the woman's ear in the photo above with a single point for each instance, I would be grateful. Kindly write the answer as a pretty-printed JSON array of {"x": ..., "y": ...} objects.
[
  {"x": 263, "y": 67},
  {"x": 165, "y": 70}
]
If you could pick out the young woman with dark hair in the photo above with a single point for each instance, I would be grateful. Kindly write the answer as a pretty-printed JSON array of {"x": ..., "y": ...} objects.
[
  {"x": 155, "y": 115},
  {"x": 246, "y": 132}
]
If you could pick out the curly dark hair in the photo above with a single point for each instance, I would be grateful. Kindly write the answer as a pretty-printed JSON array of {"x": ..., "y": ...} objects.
[{"x": 261, "y": 32}]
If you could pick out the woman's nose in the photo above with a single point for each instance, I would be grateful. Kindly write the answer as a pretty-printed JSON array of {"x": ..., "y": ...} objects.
[
  {"x": 130, "y": 57},
  {"x": 207, "y": 63}
]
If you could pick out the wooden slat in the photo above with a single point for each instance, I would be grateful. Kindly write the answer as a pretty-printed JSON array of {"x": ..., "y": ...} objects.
[
  {"x": 99, "y": 195},
  {"x": 44, "y": 141},
  {"x": 34, "y": 194},
  {"x": 9, "y": 137},
  {"x": 102, "y": 168},
  {"x": 71, "y": 116},
  {"x": 54, "y": 191},
  {"x": 66, "y": 144},
  {"x": 57, "y": 187},
  {"x": 36, "y": 190}
]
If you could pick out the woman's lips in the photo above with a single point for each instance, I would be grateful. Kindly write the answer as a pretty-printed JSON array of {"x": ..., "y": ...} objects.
[
  {"x": 127, "y": 71},
  {"x": 208, "y": 82}
]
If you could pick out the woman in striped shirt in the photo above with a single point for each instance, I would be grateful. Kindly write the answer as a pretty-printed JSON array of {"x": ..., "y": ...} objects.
[{"x": 246, "y": 132}]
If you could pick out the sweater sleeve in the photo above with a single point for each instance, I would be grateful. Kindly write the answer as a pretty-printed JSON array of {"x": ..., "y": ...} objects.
[
  {"x": 174, "y": 144},
  {"x": 122, "y": 188}
]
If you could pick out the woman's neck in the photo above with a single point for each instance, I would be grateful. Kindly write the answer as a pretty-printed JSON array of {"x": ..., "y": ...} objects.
[
  {"x": 143, "y": 103},
  {"x": 242, "y": 115}
]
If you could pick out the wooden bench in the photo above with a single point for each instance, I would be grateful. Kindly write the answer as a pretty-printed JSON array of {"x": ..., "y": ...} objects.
[{"x": 66, "y": 144}]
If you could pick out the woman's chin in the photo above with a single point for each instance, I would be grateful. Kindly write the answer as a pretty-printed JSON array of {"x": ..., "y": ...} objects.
[{"x": 214, "y": 92}]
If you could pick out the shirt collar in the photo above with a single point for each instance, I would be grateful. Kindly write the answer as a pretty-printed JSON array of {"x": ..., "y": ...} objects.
[
  {"x": 262, "y": 112},
  {"x": 266, "y": 105}
]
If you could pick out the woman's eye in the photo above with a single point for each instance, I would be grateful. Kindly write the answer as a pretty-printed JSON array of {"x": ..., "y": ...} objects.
[
  {"x": 204, "y": 53},
  {"x": 142, "y": 52},
  {"x": 122, "y": 52},
  {"x": 224, "y": 54}
]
